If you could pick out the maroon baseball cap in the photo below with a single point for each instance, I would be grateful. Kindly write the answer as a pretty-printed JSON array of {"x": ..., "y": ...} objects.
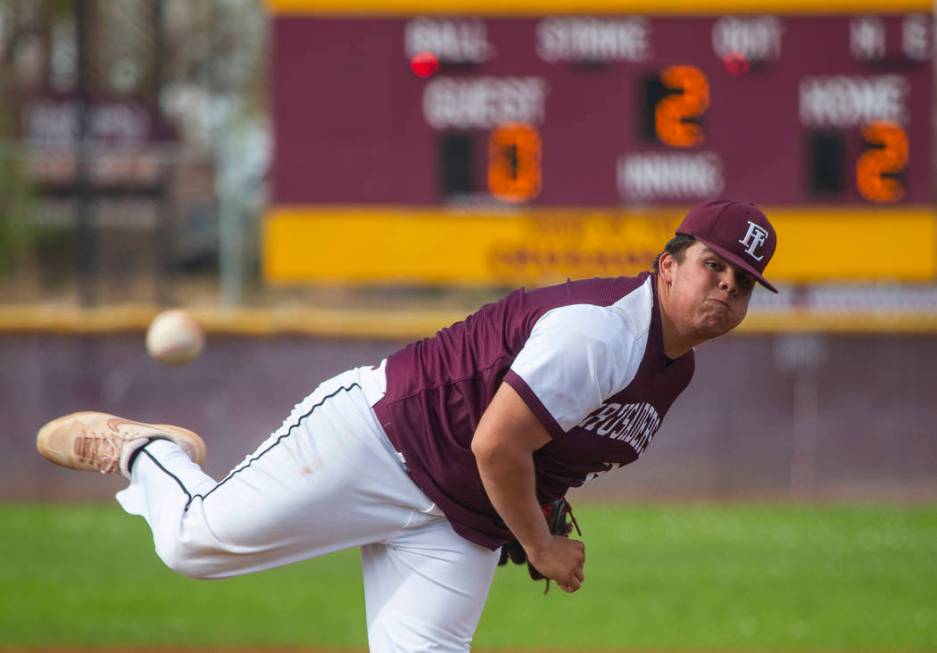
[{"x": 737, "y": 231}]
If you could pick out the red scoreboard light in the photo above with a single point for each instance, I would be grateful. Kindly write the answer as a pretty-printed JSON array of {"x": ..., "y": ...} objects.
[
  {"x": 424, "y": 64},
  {"x": 608, "y": 113}
]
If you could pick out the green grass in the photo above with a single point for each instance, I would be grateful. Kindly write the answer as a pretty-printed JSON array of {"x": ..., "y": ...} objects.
[{"x": 671, "y": 578}]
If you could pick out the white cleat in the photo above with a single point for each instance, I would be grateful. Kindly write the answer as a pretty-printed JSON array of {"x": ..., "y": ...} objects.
[{"x": 100, "y": 442}]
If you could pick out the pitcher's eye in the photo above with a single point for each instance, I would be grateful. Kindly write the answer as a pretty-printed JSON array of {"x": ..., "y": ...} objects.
[{"x": 745, "y": 281}]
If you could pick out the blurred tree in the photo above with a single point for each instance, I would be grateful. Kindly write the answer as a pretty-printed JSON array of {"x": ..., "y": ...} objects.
[
  {"x": 16, "y": 204},
  {"x": 200, "y": 64}
]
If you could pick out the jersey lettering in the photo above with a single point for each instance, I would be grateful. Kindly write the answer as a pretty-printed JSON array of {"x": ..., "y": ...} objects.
[{"x": 633, "y": 424}]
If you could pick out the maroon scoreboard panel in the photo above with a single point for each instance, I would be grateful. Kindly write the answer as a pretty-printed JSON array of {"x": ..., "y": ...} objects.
[
  {"x": 574, "y": 110},
  {"x": 524, "y": 148}
]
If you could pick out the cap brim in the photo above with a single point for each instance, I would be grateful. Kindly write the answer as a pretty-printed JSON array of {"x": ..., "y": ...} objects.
[{"x": 737, "y": 261}]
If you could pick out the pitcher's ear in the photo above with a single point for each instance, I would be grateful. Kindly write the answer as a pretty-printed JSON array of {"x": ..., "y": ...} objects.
[{"x": 666, "y": 265}]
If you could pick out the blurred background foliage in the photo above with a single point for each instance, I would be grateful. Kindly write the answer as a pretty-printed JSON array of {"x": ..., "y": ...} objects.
[{"x": 192, "y": 75}]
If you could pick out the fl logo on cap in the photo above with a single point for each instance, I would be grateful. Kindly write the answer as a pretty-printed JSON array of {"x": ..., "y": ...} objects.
[{"x": 754, "y": 238}]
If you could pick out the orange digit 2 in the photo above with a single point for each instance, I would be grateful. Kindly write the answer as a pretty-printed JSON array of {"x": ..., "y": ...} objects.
[
  {"x": 884, "y": 158},
  {"x": 676, "y": 117}
]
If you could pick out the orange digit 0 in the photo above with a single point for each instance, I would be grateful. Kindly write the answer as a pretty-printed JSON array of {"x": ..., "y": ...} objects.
[
  {"x": 675, "y": 114},
  {"x": 514, "y": 162},
  {"x": 886, "y": 156}
]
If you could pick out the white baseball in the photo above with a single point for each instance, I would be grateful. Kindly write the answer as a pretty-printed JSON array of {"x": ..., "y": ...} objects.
[{"x": 174, "y": 337}]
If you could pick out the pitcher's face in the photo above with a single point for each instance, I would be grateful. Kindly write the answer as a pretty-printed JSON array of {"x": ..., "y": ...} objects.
[{"x": 707, "y": 295}]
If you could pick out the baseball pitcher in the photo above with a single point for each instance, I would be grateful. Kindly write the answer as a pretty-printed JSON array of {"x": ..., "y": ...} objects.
[{"x": 454, "y": 446}]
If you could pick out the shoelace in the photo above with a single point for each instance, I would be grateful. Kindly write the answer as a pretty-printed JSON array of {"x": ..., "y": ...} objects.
[{"x": 102, "y": 452}]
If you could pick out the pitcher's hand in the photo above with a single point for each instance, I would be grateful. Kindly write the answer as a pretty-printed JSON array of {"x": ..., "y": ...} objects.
[{"x": 562, "y": 560}]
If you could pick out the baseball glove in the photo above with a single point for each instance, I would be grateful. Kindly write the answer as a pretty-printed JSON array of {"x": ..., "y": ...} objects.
[{"x": 560, "y": 521}]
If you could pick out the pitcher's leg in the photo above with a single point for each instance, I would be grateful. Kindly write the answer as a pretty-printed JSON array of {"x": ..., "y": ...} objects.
[
  {"x": 163, "y": 490},
  {"x": 425, "y": 590},
  {"x": 320, "y": 483}
]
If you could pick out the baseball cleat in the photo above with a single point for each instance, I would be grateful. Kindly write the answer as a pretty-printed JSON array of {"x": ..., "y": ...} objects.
[{"x": 100, "y": 442}]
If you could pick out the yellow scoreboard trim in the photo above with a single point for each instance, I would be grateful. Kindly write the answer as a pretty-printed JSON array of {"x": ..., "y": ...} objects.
[
  {"x": 398, "y": 245},
  {"x": 548, "y": 7}
]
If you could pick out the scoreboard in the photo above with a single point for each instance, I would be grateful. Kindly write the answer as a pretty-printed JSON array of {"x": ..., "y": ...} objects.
[{"x": 441, "y": 147}]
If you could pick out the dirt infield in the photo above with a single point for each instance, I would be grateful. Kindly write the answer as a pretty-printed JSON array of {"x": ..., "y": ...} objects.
[
  {"x": 111, "y": 649},
  {"x": 116, "y": 649},
  {"x": 170, "y": 649}
]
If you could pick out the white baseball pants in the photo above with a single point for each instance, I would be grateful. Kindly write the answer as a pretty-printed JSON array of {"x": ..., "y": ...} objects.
[{"x": 326, "y": 480}]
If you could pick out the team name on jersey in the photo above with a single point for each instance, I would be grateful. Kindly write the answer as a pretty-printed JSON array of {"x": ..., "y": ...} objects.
[{"x": 633, "y": 424}]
